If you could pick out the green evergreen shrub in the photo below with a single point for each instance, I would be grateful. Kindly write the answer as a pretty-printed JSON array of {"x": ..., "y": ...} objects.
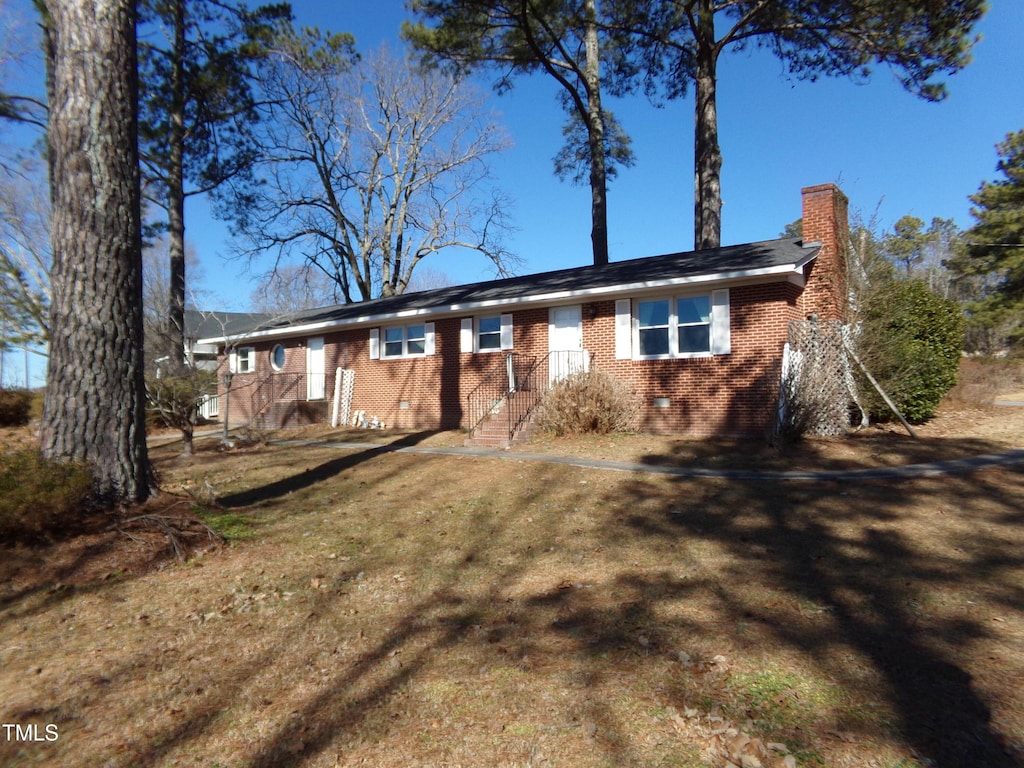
[{"x": 911, "y": 341}]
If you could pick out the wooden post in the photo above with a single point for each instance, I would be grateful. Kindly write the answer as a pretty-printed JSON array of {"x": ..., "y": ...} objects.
[{"x": 878, "y": 388}]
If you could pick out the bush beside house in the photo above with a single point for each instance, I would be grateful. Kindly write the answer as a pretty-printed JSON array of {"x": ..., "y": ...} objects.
[{"x": 911, "y": 341}]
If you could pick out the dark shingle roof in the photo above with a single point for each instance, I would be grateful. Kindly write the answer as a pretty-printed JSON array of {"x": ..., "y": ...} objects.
[
  {"x": 205, "y": 325},
  {"x": 730, "y": 262}
]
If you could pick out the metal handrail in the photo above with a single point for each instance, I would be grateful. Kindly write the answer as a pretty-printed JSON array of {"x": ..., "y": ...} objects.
[
  {"x": 272, "y": 389},
  {"x": 515, "y": 385},
  {"x": 487, "y": 396},
  {"x": 530, "y": 385}
]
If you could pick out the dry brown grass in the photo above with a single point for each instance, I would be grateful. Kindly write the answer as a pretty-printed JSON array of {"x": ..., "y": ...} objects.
[
  {"x": 985, "y": 380},
  {"x": 399, "y": 609}
]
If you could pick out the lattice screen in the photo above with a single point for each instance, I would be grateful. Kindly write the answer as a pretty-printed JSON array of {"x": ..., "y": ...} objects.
[{"x": 817, "y": 389}]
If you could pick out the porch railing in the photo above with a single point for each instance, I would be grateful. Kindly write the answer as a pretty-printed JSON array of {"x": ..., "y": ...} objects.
[
  {"x": 285, "y": 388},
  {"x": 513, "y": 389}
]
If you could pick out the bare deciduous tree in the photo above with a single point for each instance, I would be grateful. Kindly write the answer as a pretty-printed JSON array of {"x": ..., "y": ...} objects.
[
  {"x": 293, "y": 287},
  {"x": 24, "y": 254},
  {"x": 15, "y": 36},
  {"x": 373, "y": 168}
]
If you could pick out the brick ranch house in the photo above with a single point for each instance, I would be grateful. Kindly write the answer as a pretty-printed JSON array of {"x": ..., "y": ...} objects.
[{"x": 698, "y": 336}]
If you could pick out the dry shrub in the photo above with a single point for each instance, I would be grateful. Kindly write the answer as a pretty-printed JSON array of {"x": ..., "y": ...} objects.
[
  {"x": 15, "y": 407},
  {"x": 588, "y": 401},
  {"x": 36, "y": 494}
]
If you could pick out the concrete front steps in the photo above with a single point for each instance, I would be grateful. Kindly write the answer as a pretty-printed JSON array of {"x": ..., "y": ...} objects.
[{"x": 493, "y": 433}]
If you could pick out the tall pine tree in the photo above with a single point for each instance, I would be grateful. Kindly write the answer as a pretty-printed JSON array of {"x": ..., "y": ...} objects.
[
  {"x": 94, "y": 408},
  {"x": 197, "y": 113},
  {"x": 562, "y": 39},
  {"x": 678, "y": 43},
  {"x": 996, "y": 241}
]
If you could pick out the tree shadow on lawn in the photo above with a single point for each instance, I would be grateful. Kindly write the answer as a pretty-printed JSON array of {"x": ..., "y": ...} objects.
[
  {"x": 314, "y": 475},
  {"x": 873, "y": 449},
  {"x": 351, "y": 706},
  {"x": 830, "y": 545},
  {"x": 846, "y": 546}
]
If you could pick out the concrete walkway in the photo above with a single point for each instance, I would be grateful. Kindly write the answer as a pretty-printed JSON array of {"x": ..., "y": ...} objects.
[
  {"x": 930, "y": 469},
  {"x": 1010, "y": 458}
]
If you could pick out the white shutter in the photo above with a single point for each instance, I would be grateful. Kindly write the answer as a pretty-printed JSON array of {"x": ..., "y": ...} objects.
[
  {"x": 233, "y": 362},
  {"x": 623, "y": 330},
  {"x": 721, "y": 343},
  {"x": 428, "y": 338},
  {"x": 506, "y": 331},
  {"x": 375, "y": 343},
  {"x": 466, "y": 335}
]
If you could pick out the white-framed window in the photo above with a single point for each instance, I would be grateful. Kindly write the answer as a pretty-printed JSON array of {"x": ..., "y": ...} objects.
[
  {"x": 487, "y": 333},
  {"x": 402, "y": 341},
  {"x": 243, "y": 360},
  {"x": 654, "y": 325},
  {"x": 695, "y": 325},
  {"x": 277, "y": 357}
]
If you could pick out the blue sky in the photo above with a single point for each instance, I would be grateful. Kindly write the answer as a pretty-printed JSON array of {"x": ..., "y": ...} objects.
[{"x": 887, "y": 149}]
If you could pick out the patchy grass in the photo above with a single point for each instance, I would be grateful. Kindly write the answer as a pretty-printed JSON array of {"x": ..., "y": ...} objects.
[
  {"x": 396, "y": 609},
  {"x": 231, "y": 526}
]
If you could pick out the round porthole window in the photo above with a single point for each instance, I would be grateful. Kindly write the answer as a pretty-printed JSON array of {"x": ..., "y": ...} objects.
[{"x": 277, "y": 357}]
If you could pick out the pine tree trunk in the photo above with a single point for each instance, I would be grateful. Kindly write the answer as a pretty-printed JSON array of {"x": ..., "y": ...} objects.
[
  {"x": 707, "y": 202},
  {"x": 595, "y": 133},
  {"x": 176, "y": 201},
  {"x": 94, "y": 408}
]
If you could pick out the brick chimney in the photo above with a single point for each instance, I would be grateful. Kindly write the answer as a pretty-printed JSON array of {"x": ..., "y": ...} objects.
[{"x": 825, "y": 221}]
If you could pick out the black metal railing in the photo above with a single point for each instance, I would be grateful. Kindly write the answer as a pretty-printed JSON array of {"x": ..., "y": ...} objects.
[
  {"x": 279, "y": 388},
  {"x": 487, "y": 397},
  {"x": 513, "y": 389}
]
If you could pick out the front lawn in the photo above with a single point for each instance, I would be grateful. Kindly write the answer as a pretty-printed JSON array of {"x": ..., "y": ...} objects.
[{"x": 397, "y": 609}]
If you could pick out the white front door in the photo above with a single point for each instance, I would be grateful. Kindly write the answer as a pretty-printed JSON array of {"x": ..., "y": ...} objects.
[
  {"x": 565, "y": 342},
  {"x": 315, "y": 369}
]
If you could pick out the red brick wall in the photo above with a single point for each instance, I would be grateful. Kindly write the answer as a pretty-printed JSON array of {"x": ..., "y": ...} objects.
[
  {"x": 286, "y": 404},
  {"x": 722, "y": 394},
  {"x": 732, "y": 394}
]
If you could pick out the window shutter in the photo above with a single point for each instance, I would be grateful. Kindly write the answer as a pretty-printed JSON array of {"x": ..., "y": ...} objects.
[
  {"x": 233, "y": 362},
  {"x": 720, "y": 341},
  {"x": 623, "y": 330},
  {"x": 375, "y": 343},
  {"x": 506, "y": 331},
  {"x": 428, "y": 338},
  {"x": 466, "y": 335}
]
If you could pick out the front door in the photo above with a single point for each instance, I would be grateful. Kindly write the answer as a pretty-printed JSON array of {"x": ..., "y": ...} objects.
[
  {"x": 315, "y": 370},
  {"x": 565, "y": 342}
]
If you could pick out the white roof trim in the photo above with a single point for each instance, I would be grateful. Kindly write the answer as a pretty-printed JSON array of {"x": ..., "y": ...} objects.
[{"x": 789, "y": 272}]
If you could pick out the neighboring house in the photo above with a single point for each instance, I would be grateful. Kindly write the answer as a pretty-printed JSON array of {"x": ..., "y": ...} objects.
[
  {"x": 204, "y": 356},
  {"x": 698, "y": 335},
  {"x": 204, "y": 325}
]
